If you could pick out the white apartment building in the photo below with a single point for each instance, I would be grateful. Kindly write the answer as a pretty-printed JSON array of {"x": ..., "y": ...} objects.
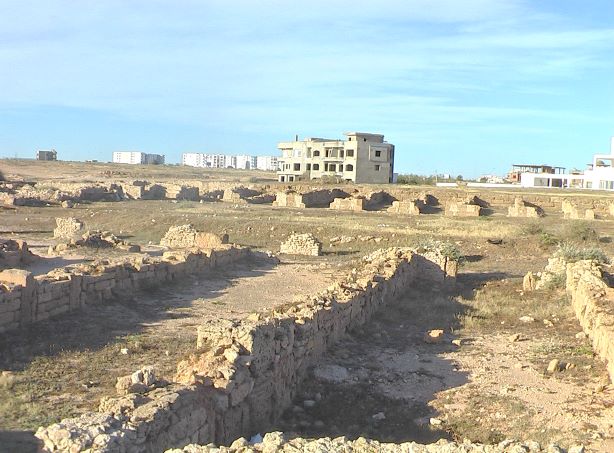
[
  {"x": 243, "y": 162},
  {"x": 267, "y": 163},
  {"x": 137, "y": 158},
  {"x": 361, "y": 158}
]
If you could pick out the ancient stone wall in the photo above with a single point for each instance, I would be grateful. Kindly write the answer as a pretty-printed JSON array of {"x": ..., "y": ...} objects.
[
  {"x": 348, "y": 204},
  {"x": 25, "y": 299},
  {"x": 302, "y": 244},
  {"x": 15, "y": 253},
  {"x": 593, "y": 302},
  {"x": 523, "y": 208},
  {"x": 572, "y": 211},
  {"x": 246, "y": 372},
  {"x": 462, "y": 209},
  {"x": 412, "y": 207}
]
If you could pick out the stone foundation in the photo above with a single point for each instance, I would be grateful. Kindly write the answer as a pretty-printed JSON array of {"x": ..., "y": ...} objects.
[
  {"x": 245, "y": 373},
  {"x": 523, "y": 208},
  {"x": 406, "y": 207},
  {"x": 348, "y": 204},
  {"x": 14, "y": 253},
  {"x": 302, "y": 244},
  {"x": 593, "y": 303},
  {"x": 25, "y": 299},
  {"x": 459, "y": 209}
]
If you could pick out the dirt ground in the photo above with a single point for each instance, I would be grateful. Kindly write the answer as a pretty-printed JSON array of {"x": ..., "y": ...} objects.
[{"x": 394, "y": 387}]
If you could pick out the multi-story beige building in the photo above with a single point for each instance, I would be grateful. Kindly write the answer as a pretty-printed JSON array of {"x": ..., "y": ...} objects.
[{"x": 361, "y": 158}]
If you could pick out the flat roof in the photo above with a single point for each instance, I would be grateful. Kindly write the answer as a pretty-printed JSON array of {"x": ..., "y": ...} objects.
[{"x": 363, "y": 133}]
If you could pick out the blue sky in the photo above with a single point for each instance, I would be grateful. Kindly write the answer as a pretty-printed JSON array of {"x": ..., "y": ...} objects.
[{"x": 464, "y": 87}]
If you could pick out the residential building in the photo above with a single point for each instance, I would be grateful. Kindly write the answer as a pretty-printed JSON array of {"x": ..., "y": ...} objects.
[
  {"x": 46, "y": 154},
  {"x": 137, "y": 157},
  {"x": 242, "y": 161},
  {"x": 267, "y": 163},
  {"x": 598, "y": 176},
  {"x": 361, "y": 158},
  {"x": 515, "y": 175}
]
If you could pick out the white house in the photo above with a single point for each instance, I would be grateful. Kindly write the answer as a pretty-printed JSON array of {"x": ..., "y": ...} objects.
[{"x": 598, "y": 176}]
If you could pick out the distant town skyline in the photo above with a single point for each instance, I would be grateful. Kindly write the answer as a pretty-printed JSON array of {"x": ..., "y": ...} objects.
[{"x": 467, "y": 87}]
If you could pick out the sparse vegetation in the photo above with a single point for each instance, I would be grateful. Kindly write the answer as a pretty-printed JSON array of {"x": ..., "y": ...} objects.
[{"x": 572, "y": 253}]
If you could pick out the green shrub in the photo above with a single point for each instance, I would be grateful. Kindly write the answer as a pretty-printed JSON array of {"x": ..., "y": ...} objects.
[
  {"x": 447, "y": 249},
  {"x": 572, "y": 253}
]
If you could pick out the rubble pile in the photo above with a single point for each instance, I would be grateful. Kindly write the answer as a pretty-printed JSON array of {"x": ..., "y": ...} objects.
[
  {"x": 186, "y": 236},
  {"x": 302, "y": 244},
  {"x": 14, "y": 253}
]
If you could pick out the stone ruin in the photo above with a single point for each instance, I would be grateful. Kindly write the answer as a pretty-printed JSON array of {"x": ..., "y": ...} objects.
[
  {"x": 289, "y": 199},
  {"x": 302, "y": 244},
  {"x": 571, "y": 211},
  {"x": 94, "y": 239},
  {"x": 409, "y": 207},
  {"x": 523, "y": 208},
  {"x": 355, "y": 203},
  {"x": 186, "y": 236},
  {"x": 243, "y": 195},
  {"x": 15, "y": 253},
  {"x": 67, "y": 228},
  {"x": 467, "y": 208},
  {"x": 243, "y": 373},
  {"x": 312, "y": 199}
]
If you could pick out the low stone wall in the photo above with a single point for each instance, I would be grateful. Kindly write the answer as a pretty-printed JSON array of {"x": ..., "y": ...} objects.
[
  {"x": 247, "y": 371},
  {"x": 462, "y": 209},
  {"x": 348, "y": 204},
  {"x": 279, "y": 443},
  {"x": 571, "y": 211},
  {"x": 522, "y": 208},
  {"x": 25, "y": 299},
  {"x": 412, "y": 207},
  {"x": 15, "y": 253},
  {"x": 593, "y": 302}
]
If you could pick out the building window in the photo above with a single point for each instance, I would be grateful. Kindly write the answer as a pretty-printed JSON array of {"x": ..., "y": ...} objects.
[
  {"x": 364, "y": 139},
  {"x": 316, "y": 167},
  {"x": 290, "y": 178},
  {"x": 282, "y": 178},
  {"x": 316, "y": 153},
  {"x": 297, "y": 167},
  {"x": 349, "y": 153},
  {"x": 308, "y": 167},
  {"x": 340, "y": 153},
  {"x": 378, "y": 154},
  {"x": 349, "y": 167},
  {"x": 377, "y": 168}
]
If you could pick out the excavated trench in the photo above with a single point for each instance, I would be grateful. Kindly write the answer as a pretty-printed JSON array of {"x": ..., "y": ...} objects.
[{"x": 378, "y": 380}]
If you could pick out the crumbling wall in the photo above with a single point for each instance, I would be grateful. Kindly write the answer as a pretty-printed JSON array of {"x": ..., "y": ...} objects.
[
  {"x": 378, "y": 200},
  {"x": 67, "y": 228},
  {"x": 15, "y": 253},
  {"x": 186, "y": 236},
  {"x": 25, "y": 299},
  {"x": 312, "y": 199},
  {"x": 462, "y": 209},
  {"x": 522, "y": 208},
  {"x": 348, "y": 204},
  {"x": 246, "y": 372},
  {"x": 302, "y": 244},
  {"x": 572, "y": 211},
  {"x": 593, "y": 303},
  {"x": 412, "y": 207}
]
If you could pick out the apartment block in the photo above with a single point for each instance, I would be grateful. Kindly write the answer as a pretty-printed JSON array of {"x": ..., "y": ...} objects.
[
  {"x": 137, "y": 158},
  {"x": 267, "y": 163},
  {"x": 361, "y": 158},
  {"x": 46, "y": 154}
]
